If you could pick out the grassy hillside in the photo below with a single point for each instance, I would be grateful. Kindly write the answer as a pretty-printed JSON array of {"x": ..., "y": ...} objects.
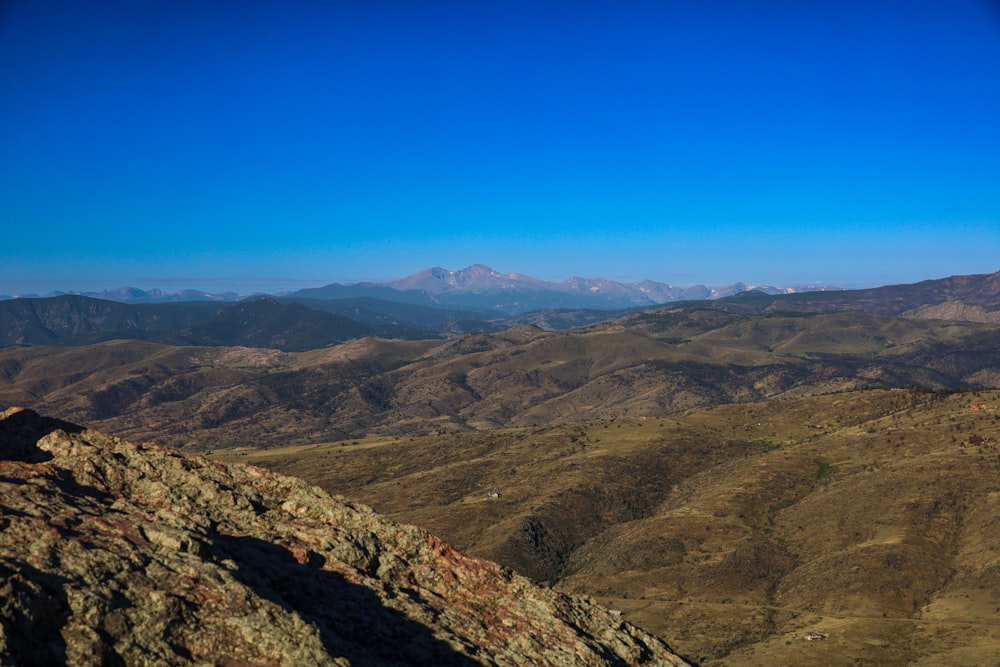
[
  {"x": 176, "y": 395},
  {"x": 650, "y": 364},
  {"x": 731, "y": 531}
]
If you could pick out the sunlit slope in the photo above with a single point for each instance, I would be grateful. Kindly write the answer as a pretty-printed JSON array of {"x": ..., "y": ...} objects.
[
  {"x": 652, "y": 364},
  {"x": 659, "y": 363},
  {"x": 868, "y": 516}
]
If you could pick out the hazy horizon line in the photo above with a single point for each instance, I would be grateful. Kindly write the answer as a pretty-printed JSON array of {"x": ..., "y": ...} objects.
[{"x": 275, "y": 285}]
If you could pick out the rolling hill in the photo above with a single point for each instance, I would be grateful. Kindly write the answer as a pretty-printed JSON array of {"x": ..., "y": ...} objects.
[
  {"x": 865, "y": 517},
  {"x": 77, "y": 320},
  {"x": 649, "y": 364},
  {"x": 979, "y": 294}
]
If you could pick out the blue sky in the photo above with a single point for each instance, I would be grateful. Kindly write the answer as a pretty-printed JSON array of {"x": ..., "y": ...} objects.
[{"x": 276, "y": 145}]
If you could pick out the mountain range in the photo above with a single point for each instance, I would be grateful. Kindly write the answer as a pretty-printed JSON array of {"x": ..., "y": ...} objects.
[
  {"x": 311, "y": 319},
  {"x": 477, "y": 287}
]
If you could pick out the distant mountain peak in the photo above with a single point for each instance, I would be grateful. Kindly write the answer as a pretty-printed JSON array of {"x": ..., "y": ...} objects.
[
  {"x": 481, "y": 287},
  {"x": 474, "y": 278}
]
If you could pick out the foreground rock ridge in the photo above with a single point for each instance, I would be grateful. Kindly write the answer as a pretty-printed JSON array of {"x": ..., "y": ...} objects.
[{"x": 117, "y": 553}]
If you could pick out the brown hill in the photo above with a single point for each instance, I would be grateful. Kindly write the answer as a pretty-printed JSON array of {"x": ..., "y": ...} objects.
[
  {"x": 115, "y": 553},
  {"x": 71, "y": 320},
  {"x": 649, "y": 364},
  {"x": 869, "y": 517},
  {"x": 980, "y": 292}
]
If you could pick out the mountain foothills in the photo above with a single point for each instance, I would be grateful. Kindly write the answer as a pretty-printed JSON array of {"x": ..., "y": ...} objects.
[
  {"x": 265, "y": 323},
  {"x": 795, "y": 479},
  {"x": 648, "y": 364},
  {"x": 122, "y": 554}
]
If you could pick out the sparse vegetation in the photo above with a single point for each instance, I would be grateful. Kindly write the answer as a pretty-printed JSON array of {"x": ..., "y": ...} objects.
[
  {"x": 634, "y": 367},
  {"x": 725, "y": 546},
  {"x": 823, "y": 469},
  {"x": 728, "y": 480}
]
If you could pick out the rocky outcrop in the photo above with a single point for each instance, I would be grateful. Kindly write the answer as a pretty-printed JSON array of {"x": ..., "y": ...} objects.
[
  {"x": 117, "y": 553},
  {"x": 954, "y": 310}
]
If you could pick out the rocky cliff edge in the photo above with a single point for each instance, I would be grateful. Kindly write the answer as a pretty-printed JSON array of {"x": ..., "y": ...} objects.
[{"x": 116, "y": 553}]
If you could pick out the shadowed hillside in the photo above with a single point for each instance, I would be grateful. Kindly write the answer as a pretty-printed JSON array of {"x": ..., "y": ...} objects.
[
  {"x": 648, "y": 364},
  {"x": 76, "y": 320}
]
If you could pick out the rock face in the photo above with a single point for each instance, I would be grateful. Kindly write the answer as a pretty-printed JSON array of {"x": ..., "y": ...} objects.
[{"x": 116, "y": 553}]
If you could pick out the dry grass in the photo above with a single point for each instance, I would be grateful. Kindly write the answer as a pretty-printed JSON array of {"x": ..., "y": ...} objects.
[
  {"x": 650, "y": 365},
  {"x": 867, "y": 516}
]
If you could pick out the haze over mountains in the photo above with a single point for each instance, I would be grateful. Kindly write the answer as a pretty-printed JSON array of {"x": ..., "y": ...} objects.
[
  {"x": 477, "y": 286},
  {"x": 475, "y": 300}
]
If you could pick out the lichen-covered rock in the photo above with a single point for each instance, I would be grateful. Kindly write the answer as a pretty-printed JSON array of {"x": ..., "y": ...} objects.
[{"x": 113, "y": 553}]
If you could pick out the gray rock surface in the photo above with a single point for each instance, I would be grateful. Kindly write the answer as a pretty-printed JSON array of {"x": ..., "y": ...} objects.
[{"x": 114, "y": 553}]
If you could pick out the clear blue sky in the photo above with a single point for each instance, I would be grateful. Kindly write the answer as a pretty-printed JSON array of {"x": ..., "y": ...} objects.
[{"x": 275, "y": 145}]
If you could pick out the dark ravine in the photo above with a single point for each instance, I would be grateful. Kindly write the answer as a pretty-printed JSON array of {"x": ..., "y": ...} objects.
[{"x": 117, "y": 553}]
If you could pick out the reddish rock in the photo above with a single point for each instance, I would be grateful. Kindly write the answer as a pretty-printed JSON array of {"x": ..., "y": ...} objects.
[{"x": 120, "y": 553}]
